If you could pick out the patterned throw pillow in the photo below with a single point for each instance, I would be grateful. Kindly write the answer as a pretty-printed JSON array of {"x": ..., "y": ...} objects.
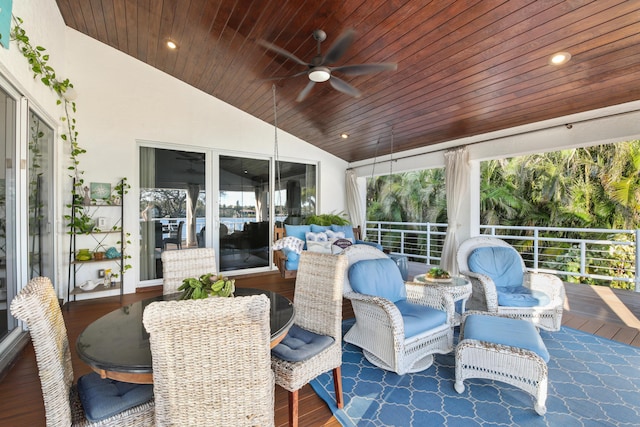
[
  {"x": 316, "y": 237},
  {"x": 322, "y": 247},
  {"x": 293, "y": 243},
  {"x": 339, "y": 245}
]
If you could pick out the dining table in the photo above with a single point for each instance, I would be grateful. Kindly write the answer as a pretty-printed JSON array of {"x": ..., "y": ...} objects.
[{"x": 116, "y": 345}]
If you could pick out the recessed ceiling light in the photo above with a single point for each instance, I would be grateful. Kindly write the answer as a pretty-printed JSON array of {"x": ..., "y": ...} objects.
[
  {"x": 344, "y": 135},
  {"x": 559, "y": 58},
  {"x": 171, "y": 44}
]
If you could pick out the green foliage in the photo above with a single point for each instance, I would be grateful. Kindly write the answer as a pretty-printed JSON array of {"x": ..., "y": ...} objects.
[
  {"x": 327, "y": 219},
  {"x": 207, "y": 285}
]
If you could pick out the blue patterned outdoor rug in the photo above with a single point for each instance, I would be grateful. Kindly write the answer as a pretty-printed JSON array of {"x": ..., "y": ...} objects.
[{"x": 592, "y": 382}]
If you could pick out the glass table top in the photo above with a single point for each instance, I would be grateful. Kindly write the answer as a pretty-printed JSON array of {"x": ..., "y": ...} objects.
[{"x": 118, "y": 340}]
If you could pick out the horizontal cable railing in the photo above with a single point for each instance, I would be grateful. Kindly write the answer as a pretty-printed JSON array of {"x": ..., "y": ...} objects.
[{"x": 581, "y": 255}]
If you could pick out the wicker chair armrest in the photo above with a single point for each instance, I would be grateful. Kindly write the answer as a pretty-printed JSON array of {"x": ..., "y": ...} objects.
[
  {"x": 483, "y": 284},
  {"x": 377, "y": 309},
  {"x": 431, "y": 296},
  {"x": 550, "y": 284}
]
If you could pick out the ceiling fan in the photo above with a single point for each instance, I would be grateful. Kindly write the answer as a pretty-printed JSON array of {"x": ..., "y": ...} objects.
[{"x": 318, "y": 70}]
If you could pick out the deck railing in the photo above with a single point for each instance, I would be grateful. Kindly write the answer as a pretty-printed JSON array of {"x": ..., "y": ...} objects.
[{"x": 583, "y": 255}]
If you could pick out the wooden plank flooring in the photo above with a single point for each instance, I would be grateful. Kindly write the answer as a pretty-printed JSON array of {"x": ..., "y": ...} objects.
[{"x": 21, "y": 399}]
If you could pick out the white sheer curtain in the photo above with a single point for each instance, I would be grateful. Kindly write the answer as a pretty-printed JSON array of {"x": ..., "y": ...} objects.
[
  {"x": 147, "y": 225},
  {"x": 354, "y": 201},
  {"x": 457, "y": 183}
]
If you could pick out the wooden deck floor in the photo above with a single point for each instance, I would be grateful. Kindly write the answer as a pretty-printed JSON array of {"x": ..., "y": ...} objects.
[{"x": 612, "y": 315}]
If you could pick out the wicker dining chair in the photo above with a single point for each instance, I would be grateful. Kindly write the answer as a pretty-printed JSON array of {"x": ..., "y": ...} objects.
[
  {"x": 106, "y": 402},
  {"x": 211, "y": 361},
  {"x": 318, "y": 303},
  {"x": 178, "y": 265}
]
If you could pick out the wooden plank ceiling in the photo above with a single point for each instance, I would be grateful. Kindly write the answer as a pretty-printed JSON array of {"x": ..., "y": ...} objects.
[{"x": 464, "y": 67}]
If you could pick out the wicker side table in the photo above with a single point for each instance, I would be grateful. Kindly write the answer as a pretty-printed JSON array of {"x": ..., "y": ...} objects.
[{"x": 459, "y": 288}]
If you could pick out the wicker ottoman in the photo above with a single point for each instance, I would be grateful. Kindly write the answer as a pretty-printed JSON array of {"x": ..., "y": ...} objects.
[{"x": 503, "y": 349}]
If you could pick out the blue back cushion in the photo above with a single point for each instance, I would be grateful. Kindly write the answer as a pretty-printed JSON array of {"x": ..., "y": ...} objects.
[
  {"x": 501, "y": 264},
  {"x": 379, "y": 277},
  {"x": 320, "y": 228},
  {"x": 299, "y": 231},
  {"x": 346, "y": 229}
]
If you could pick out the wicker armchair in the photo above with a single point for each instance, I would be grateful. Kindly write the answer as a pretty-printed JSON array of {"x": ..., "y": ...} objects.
[
  {"x": 37, "y": 305},
  {"x": 485, "y": 295},
  {"x": 318, "y": 304},
  {"x": 178, "y": 265},
  {"x": 399, "y": 325},
  {"x": 211, "y": 361}
]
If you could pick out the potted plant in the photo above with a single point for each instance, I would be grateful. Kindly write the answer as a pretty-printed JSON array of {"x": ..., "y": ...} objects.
[
  {"x": 327, "y": 219},
  {"x": 207, "y": 285}
]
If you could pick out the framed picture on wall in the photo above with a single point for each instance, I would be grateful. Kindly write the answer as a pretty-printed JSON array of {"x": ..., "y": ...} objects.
[{"x": 100, "y": 191}]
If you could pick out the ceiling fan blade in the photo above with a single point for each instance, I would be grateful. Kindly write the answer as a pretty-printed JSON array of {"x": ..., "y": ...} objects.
[
  {"x": 282, "y": 52},
  {"x": 339, "y": 47},
  {"x": 268, "y": 79},
  {"x": 305, "y": 91},
  {"x": 358, "y": 70},
  {"x": 344, "y": 87}
]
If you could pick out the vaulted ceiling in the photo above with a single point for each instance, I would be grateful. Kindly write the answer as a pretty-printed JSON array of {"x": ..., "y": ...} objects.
[{"x": 464, "y": 67}]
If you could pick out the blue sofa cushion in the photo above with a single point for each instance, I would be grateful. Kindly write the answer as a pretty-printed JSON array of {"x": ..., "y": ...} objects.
[
  {"x": 320, "y": 228},
  {"x": 419, "y": 318},
  {"x": 298, "y": 231},
  {"x": 521, "y": 296},
  {"x": 300, "y": 344},
  {"x": 379, "y": 277},
  {"x": 102, "y": 399},
  {"x": 501, "y": 264},
  {"x": 501, "y": 330}
]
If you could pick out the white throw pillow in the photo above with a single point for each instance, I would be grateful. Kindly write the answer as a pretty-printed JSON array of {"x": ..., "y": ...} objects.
[{"x": 321, "y": 247}]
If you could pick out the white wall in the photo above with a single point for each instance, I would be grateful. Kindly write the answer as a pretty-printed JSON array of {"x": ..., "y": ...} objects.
[{"x": 122, "y": 100}]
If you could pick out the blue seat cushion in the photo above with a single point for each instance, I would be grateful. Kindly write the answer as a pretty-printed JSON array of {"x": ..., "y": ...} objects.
[
  {"x": 502, "y": 264},
  {"x": 505, "y": 331},
  {"x": 521, "y": 296},
  {"x": 300, "y": 344},
  {"x": 419, "y": 318},
  {"x": 378, "y": 277},
  {"x": 104, "y": 398}
]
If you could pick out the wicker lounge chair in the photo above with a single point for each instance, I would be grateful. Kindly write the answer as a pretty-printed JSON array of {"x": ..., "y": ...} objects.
[
  {"x": 486, "y": 296},
  {"x": 399, "y": 325}
]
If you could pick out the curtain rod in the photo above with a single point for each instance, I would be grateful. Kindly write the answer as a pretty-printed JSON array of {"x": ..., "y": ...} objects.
[{"x": 568, "y": 125}]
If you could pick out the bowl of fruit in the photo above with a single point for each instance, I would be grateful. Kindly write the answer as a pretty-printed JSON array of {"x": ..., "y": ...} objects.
[{"x": 437, "y": 274}]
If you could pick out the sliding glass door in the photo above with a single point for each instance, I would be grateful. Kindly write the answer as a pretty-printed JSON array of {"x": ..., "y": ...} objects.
[{"x": 243, "y": 202}]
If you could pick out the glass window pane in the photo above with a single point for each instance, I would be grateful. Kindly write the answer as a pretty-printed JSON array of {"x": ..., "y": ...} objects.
[{"x": 172, "y": 205}]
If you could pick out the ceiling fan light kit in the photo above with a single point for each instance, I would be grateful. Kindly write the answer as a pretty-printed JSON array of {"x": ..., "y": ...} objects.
[
  {"x": 319, "y": 70},
  {"x": 319, "y": 74}
]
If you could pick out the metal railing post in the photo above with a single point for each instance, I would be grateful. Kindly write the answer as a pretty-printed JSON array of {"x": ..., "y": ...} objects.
[{"x": 636, "y": 277}]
